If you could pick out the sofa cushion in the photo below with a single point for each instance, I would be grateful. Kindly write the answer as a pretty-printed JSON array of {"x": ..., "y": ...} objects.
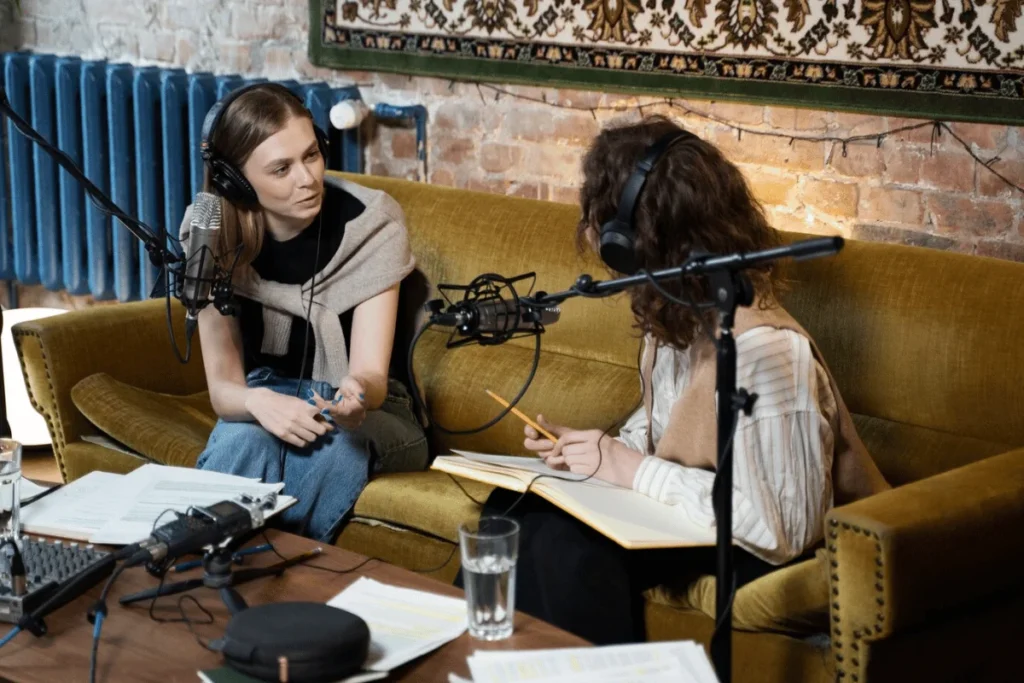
[
  {"x": 84, "y": 457},
  {"x": 431, "y": 502},
  {"x": 792, "y": 599},
  {"x": 165, "y": 428},
  {"x": 583, "y": 392}
]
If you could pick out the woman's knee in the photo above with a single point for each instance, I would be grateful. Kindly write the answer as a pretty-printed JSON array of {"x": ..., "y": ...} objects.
[
  {"x": 558, "y": 542},
  {"x": 341, "y": 449},
  {"x": 245, "y": 435},
  {"x": 397, "y": 444},
  {"x": 232, "y": 438}
]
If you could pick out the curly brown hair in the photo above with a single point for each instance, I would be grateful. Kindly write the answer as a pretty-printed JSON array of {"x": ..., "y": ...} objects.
[{"x": 694, "y": 198}]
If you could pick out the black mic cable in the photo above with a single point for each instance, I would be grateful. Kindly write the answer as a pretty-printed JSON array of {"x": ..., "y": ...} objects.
[
  {"x": 96, "y": 615},
  {"x": 483, "y": 290},
  {"x": 418, "y": 398}
]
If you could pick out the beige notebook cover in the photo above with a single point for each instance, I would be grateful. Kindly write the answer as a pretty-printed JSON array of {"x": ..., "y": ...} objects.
[{"x": 629, "y": 518}]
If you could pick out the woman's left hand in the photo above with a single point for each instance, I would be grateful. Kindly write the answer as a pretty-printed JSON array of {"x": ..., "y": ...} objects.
[
  {"x": 349, "y": 408},
  {"x": 588, "y": 452}
]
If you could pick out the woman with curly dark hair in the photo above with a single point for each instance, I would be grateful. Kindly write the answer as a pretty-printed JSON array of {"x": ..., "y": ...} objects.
[{"x": 795, "y": 455}]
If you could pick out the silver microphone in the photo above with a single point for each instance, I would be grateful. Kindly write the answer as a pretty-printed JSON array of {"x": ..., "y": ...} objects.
[{"x": 204, "y": 233}]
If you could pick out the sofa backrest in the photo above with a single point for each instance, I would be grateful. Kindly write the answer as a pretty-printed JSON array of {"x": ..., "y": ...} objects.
[{"x": 924, "y": 345}]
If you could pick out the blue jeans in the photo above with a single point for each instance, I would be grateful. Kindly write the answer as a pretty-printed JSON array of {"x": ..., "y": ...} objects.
[{"x": 328, "y": 475}]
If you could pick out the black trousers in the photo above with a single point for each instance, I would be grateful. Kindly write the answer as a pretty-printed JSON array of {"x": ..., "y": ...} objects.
[{"x": 580, "y": 581}]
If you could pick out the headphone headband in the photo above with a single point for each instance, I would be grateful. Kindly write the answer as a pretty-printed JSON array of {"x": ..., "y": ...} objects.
[
  {"x": 229, "y": 181},
  {"x": 216, "y": 112},
  {"x": 618, "y": 237},
  {"x": 638, "y": 179}
]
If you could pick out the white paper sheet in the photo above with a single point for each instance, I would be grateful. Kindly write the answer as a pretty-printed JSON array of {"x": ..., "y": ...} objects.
[
  {"x": 404, "y": 623},
  {"x": 77, "y": 511},
  {"x": 669, "y": 673},
  {"x": 682, "y": 661},
  {"x": 151, "y": 490},
  {"x": 119, "y": 509}
]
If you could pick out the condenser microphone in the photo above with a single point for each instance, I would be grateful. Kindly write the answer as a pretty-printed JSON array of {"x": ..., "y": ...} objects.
[
  {"x": 200, "y": 261},
  {"x": 495, "y": 316}
]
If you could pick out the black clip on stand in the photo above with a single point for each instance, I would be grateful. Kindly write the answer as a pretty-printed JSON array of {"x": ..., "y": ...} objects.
[{"x": 218, "y": 575}]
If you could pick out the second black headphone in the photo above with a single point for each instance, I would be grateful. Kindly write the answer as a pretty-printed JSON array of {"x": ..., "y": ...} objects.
[
  {"x": 228, "y": 180},
  {"x": 618, "y": 237}
]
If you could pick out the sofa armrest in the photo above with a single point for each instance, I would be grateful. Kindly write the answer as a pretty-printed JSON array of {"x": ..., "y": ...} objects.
[
  {"x": 128, "y": 341},
  {"x": 909, "y": 557}
]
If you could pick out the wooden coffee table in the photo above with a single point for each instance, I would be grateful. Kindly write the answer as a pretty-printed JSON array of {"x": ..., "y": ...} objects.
[{"x": 135, "y": 648}]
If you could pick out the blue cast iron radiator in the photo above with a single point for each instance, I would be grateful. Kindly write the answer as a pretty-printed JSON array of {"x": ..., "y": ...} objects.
[{"x": 134, "y": 131}]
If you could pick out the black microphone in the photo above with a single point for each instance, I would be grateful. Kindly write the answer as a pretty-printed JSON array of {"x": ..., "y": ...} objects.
[
  {"x": 493, "y": 316},
  {"x": 200, "y": 262},
  {"x": 201, "y": 527}
]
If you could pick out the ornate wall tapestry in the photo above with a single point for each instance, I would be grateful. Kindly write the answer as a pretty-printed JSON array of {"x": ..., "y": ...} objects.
[{"x": 952, "y": 59}]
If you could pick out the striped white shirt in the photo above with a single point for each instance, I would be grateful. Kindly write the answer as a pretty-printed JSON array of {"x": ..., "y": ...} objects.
[{"x": 782, "y": 452}]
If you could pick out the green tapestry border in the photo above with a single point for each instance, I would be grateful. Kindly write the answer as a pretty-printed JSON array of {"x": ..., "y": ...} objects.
[{"x": 946, "y": 107}]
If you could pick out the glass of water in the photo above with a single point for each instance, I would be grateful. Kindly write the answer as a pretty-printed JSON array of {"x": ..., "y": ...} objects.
[
  {"x": 490, "y": 548},
  {"x": 10, "y": 488}
]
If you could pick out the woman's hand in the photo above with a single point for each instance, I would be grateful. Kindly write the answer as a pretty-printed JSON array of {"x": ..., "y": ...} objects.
[
  {"x": 348, "y": 409},
  {"x": 587, "y": 452},
  {"x": 288, "y": 418}
]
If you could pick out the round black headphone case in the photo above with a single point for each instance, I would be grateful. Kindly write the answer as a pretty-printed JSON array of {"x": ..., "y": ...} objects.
[{"x": 321, "y": 643}]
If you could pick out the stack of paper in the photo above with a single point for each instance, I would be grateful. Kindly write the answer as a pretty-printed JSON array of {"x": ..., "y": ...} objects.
[
  {"x": 404, "y": 623},
  {"x": 670, "y": 662},
  {"x": 119, "y": 509}
]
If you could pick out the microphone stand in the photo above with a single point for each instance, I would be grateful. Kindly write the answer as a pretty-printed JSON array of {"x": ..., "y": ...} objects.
[
  {"x": 159, "y": 255},
  {"x": 731, "y": 288},
  {"x": 218, "y": 575},
  {"x": 172, "y": 265}
]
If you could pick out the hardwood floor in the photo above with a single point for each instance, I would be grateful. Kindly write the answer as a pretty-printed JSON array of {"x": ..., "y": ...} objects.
[{"x": 40, "y": 465}]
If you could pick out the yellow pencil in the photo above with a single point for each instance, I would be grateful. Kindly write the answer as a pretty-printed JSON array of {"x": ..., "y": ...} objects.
[{"x": 521, "y": 416}]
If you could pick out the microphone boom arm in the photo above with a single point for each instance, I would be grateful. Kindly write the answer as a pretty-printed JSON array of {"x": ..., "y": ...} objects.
[
  {"x": 173, "y": 265},
  {"x": 704, "y": 265},
  {"x": 159, "y": 254}
]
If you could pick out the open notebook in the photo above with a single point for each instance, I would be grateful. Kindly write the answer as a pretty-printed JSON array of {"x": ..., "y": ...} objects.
[{"x": 631, "y": 519}]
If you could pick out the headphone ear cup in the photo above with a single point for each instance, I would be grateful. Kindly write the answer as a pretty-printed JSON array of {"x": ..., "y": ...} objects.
[
  {"x": 231, "y": 184},
  {"x": 618, "y": 248}
]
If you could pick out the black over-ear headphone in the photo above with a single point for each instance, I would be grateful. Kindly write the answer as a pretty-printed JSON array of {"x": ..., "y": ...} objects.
[
  {"x": 228, "y": 180},
  {"x": 618, "y": 238}
]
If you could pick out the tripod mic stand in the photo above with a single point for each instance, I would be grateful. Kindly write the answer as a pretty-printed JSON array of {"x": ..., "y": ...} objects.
[{"x": 218, "y": 575}]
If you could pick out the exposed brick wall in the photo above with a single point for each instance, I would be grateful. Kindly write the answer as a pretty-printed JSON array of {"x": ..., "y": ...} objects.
[{"x": 908, "y": 190}]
